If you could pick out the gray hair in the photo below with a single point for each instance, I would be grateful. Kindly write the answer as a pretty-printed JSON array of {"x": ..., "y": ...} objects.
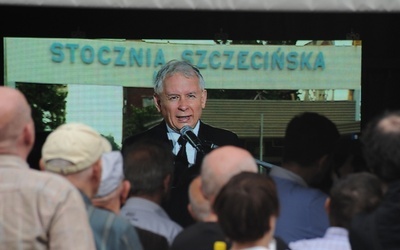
[{"x": 175, "y": 66}]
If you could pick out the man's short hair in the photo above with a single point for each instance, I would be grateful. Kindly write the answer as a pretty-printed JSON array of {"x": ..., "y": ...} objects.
[
  {"x": 245, "y": 206},
  {"x": 381, "y": 145},
  {"x": 146, "y": 164},
  {"x": 353, "y": 194},
  {"x": 308, "y": 137}
]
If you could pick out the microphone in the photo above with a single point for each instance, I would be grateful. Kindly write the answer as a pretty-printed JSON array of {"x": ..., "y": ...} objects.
[{"x": 187, "y": 134}]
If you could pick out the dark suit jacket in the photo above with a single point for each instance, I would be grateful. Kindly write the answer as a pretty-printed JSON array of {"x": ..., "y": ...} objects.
[
  {"x": 203, "y": 235},
  {"x": 176, "y": 206},
  {"x": 379, "y": 229},
  {"x": 199, "y": 236},
  {"x": 151, "y": 240}
]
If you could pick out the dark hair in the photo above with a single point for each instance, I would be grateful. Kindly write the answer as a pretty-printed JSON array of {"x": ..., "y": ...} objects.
[
  {"x": 308, "y": 137},
  {"x": 348, "y": 153},
  {"x": 245, "y": 205},
  {"x": 147, "y": 163},
  {"x": 353, "y": 194},
  {"x": 381, "y": 145}
]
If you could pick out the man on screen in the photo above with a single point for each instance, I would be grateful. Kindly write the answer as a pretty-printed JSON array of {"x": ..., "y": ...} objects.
[{"x": 180, "y": 96}]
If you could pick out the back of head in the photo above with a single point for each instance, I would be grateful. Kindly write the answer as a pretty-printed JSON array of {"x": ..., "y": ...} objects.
[
  {"x": 175, "y": 66},
  {"x": 146, "y": 165},
  {"x": 221, "y": 164},
  {"x": 246, "y": 207},
  {"x": 72, "y": 148},
  {"x": 113, "y": 189},
  {"x": 112, "y": 173},
  {"x": 308, "y": 137},
  {"x": 15, "y": 123},
  {"x": 353, "y": 194},
  {"x": 347, "y": 156},
  {"x": 381, "y": 144}
]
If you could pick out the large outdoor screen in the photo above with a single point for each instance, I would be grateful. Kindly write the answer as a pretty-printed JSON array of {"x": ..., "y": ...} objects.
[{"x": 97, "y": 76}]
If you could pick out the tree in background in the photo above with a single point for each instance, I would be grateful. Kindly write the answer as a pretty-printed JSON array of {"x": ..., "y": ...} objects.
[
  {"x": 139, "y": 119},
  {"x": 48, "y": 103},
  {"x": 111, "y": 139}
]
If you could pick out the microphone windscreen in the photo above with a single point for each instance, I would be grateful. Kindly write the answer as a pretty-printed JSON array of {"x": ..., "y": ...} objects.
[{"x": 185, "y": 129}]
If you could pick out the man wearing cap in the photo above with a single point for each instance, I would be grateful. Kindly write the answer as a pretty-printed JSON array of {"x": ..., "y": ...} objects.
[
  {"x": 114, "y": 189},
  {"x": 38, "y": 210},
  {"x": 74, "y": 150}
]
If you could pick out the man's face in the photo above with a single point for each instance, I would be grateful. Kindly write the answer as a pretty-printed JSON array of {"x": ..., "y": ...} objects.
[{"x": 181, "y": 102}]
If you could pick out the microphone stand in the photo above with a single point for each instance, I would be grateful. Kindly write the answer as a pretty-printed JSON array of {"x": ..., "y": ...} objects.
[{"x": 264, "y": 164}]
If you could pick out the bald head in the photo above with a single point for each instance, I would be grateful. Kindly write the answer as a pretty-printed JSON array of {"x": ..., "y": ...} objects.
[
  {"x": 390, "y": 124},
  {"x": 221, "y": 164},
  {"x": 199, "y": 207},
  {"x": 16, "y": 125}
]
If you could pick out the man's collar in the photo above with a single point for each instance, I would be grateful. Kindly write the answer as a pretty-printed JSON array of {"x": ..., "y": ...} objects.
[{"x": 173, "y": 135}]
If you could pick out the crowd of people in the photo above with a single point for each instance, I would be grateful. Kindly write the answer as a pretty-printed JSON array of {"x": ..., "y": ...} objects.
[{"x": 160, "y": 192}]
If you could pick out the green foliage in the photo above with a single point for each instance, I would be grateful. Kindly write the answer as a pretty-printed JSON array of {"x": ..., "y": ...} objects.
[
  {"x": 140, "y": 119},
  {"x": 111, "y": 139},
  {"x": 48, "y": 103}
]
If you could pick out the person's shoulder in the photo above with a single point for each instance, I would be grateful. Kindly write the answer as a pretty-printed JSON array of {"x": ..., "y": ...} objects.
[
  {"x": 280, "y": 244},
  {"x": 153, "y": 132},
  {"x": 310, "y": 195},
  {"x": 104, "y": 214},
  {"x": 193, "y": 229},
  {"x": 152, "y": 240},
  {"x": 101, "y": 213},
  {"x": 120, "y": 229},
  {"x": 51, "y": 186},
  {"x": 334, "y": 238},
  {"x": 219, "y": 136},
  {"x": 51, "y": 181},
  {"x": 305, "y": 244},
  {"x": 305, "y": 194},
  {"x": 213, "y": 129},
  {"x": 114, "y": 221},
  {"x": 132, "y": 138},
  {"x": 200, "y": 235},
  {"x": 174, "y": 226}
]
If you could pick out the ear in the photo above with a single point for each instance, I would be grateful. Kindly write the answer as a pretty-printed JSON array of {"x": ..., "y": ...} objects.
[
  {"x": 322, "y": 161},
  {"x": 126, "y": 187},
  {"x": 166, "y": 183},
  {"x": 41, "y": 164},
  {"x": 203, "y": 98},
  {"x": 272, "y": 224},
  {"x": 97, "y": 170},
  {"x": 29, "y": 134},
  {"x": 157, "y": 102},
  {"x": 328, "y": 205},
  {"x": 190, "y": 209}
]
